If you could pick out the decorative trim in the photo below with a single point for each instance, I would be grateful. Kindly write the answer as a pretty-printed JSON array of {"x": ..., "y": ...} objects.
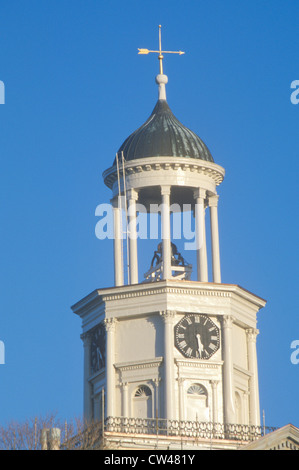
[
  {"x": 212, "y": 170},
  {"x": 148, "y": 363},
  {"x": 199, "y": 364},
  {"x": 98, "y": 297},
  {"x": 166, "y": 290}
]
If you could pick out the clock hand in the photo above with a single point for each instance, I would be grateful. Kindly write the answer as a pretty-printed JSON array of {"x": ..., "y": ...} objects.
[{"x": 199, "y": 344}]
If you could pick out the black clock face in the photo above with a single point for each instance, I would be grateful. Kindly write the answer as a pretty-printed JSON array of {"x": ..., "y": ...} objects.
[
  {"x": 196, "y": 336},
  {"x": 97, "y": 348}
]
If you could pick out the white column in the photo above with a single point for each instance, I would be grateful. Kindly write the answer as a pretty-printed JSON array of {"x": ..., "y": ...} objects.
[
  {"x": 157, "y": 406},
  {"x": 169, "y": 410},
  {"x": 213, "y": 203},
  {"x": 132, "y": 196},
  {"x": 214, "y": 416},
  {"x": 246, "y": 406},
  {"x": 228, "y": 378},
  {"x": 165, "y": 222},
  {"x": 110, "y": 372},
  {"x": 117, "y": 244},
  {"x": 200, "y": 234},
  {"x": 125, "y": 402},
  {"x": 182, "y": 416},
  {"x": 88, "y": 408},
  {"x": 254, "y": 405}
]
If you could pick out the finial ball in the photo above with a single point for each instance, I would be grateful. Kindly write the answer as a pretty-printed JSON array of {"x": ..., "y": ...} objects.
[{"x": 161, "y": 79}]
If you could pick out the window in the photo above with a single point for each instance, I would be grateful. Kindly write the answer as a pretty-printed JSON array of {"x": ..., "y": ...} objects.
[
  {"x": 143, "y": 391},
  {"x": 197, "y": 389},
  {"x": 142, "y": 402},
  {"x": 197, "y": 403}
]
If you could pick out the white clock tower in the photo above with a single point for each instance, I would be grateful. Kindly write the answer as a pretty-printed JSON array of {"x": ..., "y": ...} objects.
[{"x": 168, "y": 359}]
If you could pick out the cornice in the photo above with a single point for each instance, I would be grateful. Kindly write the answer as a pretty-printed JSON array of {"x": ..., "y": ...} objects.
[
  {"x": 154, "y": 164},
  {"x": 165, "y": 290},
  {"x": 147, "y": 363},
  {"x": 87, "y": 302},
  {"x": 242, "y": 371},
  {"x": 98, "y": 298},
  {"x": 198, "y": 363}
]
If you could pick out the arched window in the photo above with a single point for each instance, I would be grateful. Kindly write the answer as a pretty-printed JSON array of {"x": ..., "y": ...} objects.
[
  {"x": 143, "y": 391},
  {"x": 142, "y": 402},
  {"x": 198, "y": 390},
  {"x": 197, "y": 403}
]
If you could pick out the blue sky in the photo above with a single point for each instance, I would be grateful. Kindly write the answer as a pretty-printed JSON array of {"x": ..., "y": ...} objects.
[{"x": 75, "y": 88}]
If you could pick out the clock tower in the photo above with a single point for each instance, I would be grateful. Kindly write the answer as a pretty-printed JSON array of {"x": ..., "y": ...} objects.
[{"x": 170, "y": 352}]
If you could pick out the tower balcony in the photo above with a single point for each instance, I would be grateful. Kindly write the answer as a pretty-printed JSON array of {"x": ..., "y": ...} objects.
[
  {"x": 157, "y": 434},
  {"x": 185, "y": 429}
]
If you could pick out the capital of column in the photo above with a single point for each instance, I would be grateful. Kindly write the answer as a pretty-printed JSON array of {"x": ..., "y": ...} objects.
[
  {"x": 124, "y": 384},
  {"x": 132, "y": 194},
  {"x": 165, "y": 190},
  {"x": 252, "y": 334},
  {"x": 156, "y": 381},
  {"x": 213, "y": 200},
  {"x": 114, "y": 202},
  {"x": 228, "y": 321},
  {"x": 214, "y": 383},
  {"x": 110, "y": 324},
  {"x": 86, "y": 338},
  {"x": 168, "y": 315},
  {"x": 199, "y": 193}
]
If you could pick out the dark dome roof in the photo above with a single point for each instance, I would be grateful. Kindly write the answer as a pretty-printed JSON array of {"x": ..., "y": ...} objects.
[{"x": 163, "y": 135}]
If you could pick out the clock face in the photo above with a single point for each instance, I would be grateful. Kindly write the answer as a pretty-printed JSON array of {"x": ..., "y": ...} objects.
[
  {"x": 196, "y": 336},
  {"x": 97, "y": 348}
]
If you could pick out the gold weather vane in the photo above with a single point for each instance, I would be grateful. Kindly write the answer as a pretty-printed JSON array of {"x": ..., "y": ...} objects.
[{"x": 160, "y": 52}]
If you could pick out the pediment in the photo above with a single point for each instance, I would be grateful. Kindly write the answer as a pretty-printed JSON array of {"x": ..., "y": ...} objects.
[{"x": 285, "y": 438}]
